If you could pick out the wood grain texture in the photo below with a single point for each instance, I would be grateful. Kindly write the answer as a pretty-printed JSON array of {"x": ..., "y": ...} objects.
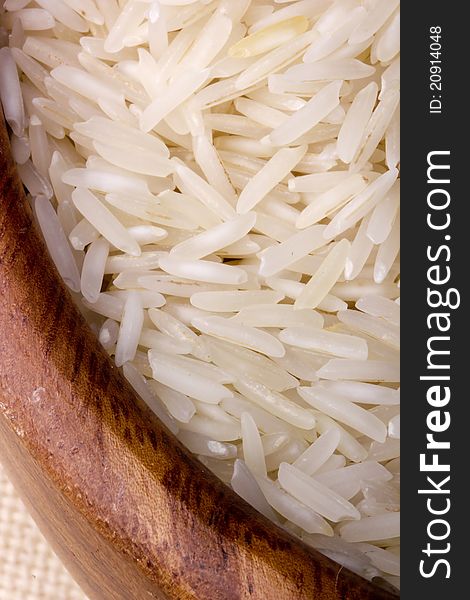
[{"x": 132, "y": 514}]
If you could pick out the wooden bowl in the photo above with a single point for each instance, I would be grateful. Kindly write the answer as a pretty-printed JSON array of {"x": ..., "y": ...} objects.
[{"x": 131, "y": 513}]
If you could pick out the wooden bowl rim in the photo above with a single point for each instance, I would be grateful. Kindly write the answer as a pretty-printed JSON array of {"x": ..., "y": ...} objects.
[{"x": 82, "y": 394}]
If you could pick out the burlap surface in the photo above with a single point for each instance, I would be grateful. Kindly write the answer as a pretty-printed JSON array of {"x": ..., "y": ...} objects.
[{"x": 29, "y": 570}]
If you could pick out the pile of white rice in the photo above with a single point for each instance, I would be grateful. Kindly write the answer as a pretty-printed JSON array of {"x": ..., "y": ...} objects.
[{"x": 216, "y": 181}]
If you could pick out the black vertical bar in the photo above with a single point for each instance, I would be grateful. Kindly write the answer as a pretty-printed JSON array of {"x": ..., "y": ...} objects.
[{"x": 438, "y": 28}]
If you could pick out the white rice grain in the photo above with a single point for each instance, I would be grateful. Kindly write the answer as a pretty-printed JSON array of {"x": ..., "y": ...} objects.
[
  {"x": 216, "y": 238},
  {"x": 319, "y": 452},
  {"x": 331, "y": 39},
  {"x": 361, "y": 249},
  {"x": 179, "y": 91},
  {"x": 337, "y": 344},
  {"x": 126, "y": 23},
  {"x": 353, "y": 128},
  {"x": 363, "y": 393},
  {"x": 361, "y": 204},
  {"x": 246, "y": 486},
  {"x": 20, "y": 149},
  {"x": 203, "y": 270},
  {"x": 387, "y": 43},
  {"x": 348, "y": 444},
  {"x": 228, "y": 431},
  {"x": 270, "y": 37},
  {"x": 108, "y": 334},
  {"x": 344, "y": 411},
  {"x": 307, "y": 117},
  {"x": 293, "y": 510},
  {"x": 129, "y": 332},
  {"x": 183, "y": 379},
  {"x": 39, "y": 146},
  {"x": 373, "y": 326},
  {"x": 325, "y": 277},
  {"x": 64, "y": 14},
  {"x": 387, "y": 253},
  {"x": 181, "y": 407},
  {"x": 318, "y": 497},
  {"x": 10, "y": 93},
  {"x": 243, "y": 362},
  {"x": 57, "y": 243},
  {"x": 93, "y": 269},
  {"x": 374, "y": 20},
  {"x": 52, "y": 52},
  {"x": 85, "y": 84},
  {"x": 330, "y": 69},
  {"x": 273, "y": 61},
  {"x": 276, "y": 404},
  {"x": 381, "y": 527},
  {"x": 35, "y": 183},
  {"x": 281, "y": 315},
  {"x": 140, "y": 385},
  {"x": 253, "y": 452},
  {"x": 104, "y": 221},
  {"x": 199, "y": 188},
  {"x": 329, "y": 201},
  {"x": 227, "y": 301},
  {"x": 32, "y": 19},
  {"x": 242, "y": 335},
  {"x": 278, "y": 167},
  {"x": 356, "y": 370}
]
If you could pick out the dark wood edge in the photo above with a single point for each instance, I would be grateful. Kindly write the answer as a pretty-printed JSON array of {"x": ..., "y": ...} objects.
[{"x": 130, "y": 511}]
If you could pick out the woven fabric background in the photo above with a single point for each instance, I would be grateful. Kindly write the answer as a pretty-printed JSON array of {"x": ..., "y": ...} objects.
[{"x": 29, "y": 570}]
